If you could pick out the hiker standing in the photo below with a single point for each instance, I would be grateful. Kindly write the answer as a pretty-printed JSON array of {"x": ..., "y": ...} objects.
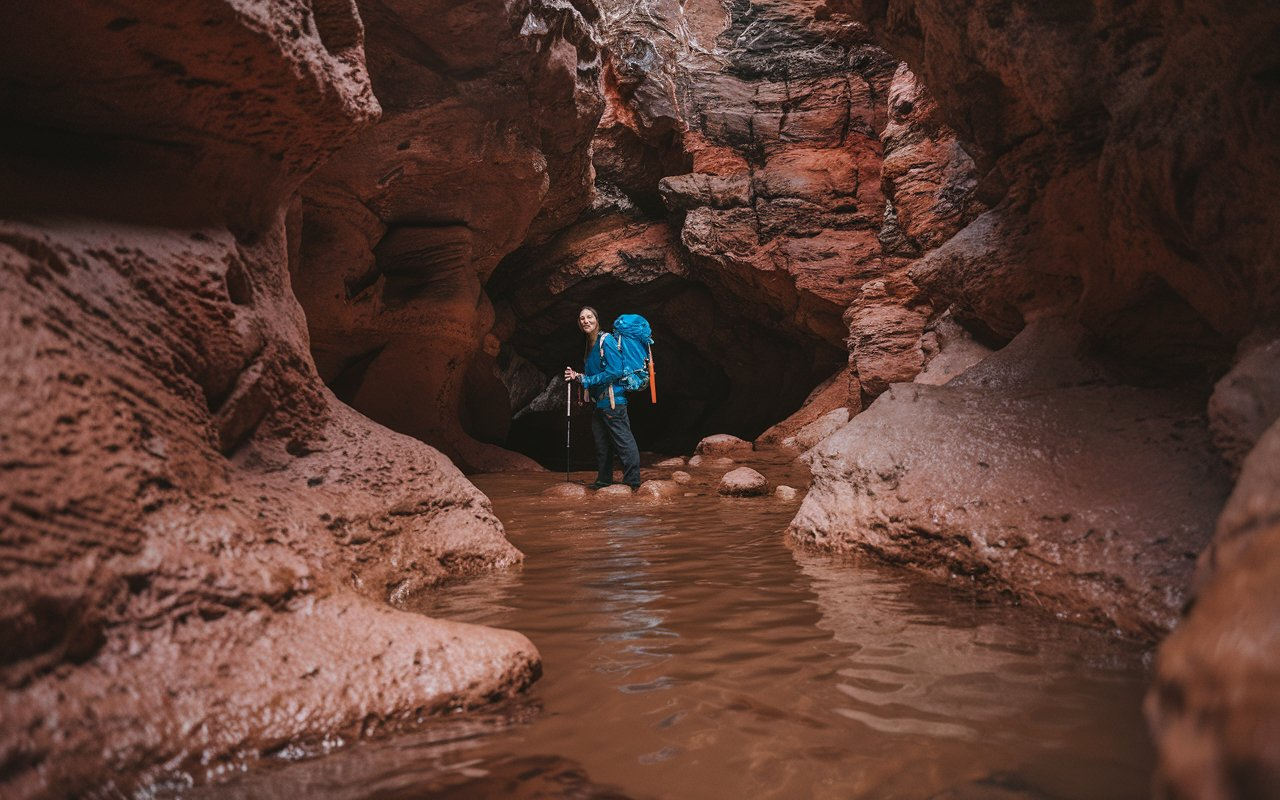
[{"x": 610, "y": 426}]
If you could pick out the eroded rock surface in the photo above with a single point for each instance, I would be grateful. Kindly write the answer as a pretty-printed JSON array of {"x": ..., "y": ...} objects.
[
  {"x": 1042, "y": 480},
  {"x": 1213, "y": 706},
  {"x": 487, "y": 118},
  {"x": 743, "y": 482},
  {"x": 1115, "y": 200},
  {"x": 202, "y": 549},
  {"x": 766, "y": 175}
]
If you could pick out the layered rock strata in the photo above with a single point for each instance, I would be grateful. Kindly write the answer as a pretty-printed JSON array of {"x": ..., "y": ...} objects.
[
  {"x": 201, "y": 548},
  {"x": 1033, "y": 476},
  {"x": 1118, "y": 148},
  {"x": 794, "y": 168},
  {"x": 488, "y": 112}
]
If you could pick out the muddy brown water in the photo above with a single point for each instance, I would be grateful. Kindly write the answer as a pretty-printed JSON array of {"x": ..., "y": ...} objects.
[{"x": 688, "y": 652}]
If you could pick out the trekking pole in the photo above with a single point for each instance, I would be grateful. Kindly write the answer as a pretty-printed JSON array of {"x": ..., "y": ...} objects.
[{"x": 568, "y": 424}]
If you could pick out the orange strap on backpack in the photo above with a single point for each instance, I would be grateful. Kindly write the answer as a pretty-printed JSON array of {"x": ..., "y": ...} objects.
[{"x": 653, "y": 379}]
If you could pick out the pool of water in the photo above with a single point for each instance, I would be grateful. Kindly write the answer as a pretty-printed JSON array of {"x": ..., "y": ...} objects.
[{"x": 688, "y": 652}]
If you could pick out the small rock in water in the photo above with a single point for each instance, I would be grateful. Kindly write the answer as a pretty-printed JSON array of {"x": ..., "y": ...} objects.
[
  {"x": 678, "y": 461},
  {"x": 617, "y": 489},
  {"x": 680, "y": 476},
  {"x": 743, "y": 482},
  {"x": 785, "y": 493},
  {"x": 658, "y": 489},
  {"x": 566, "y": 490},
  {"x": 696, "y": 461},
  {"x": 722, "y": 444},
  {"x": 721, "y": 462}
]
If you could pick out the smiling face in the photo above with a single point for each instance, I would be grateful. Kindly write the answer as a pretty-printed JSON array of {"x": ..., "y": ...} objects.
[{"x": 587, "y": 321}]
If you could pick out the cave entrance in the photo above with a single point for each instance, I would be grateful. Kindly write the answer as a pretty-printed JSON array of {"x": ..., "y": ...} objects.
[{"x": 719, "y": 370}]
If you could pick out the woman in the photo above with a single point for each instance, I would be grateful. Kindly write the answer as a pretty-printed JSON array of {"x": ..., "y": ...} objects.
[{"x": 602, "y": 371}]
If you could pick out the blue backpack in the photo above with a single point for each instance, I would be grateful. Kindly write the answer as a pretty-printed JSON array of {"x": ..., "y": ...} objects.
[{"x": 634, "y": 340}]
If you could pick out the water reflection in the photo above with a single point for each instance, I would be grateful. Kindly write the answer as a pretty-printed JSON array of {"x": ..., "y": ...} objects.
[{"x": 688, "y": 653}]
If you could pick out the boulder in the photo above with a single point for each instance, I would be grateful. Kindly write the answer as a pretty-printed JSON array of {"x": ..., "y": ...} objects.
[
  {"x": 1028, "y": 478},
  {"x": 723, "y": 444},
  {"x": 743, "y": 482},
  {"x": 567, "y": 491},
  {"x": 1213, "y": 703},
  {"x": 615, "y": 490},
  {"x": 659, "y": 489},
  {"x": 1246, "y": 401},
  {"x": 819, "y": 429}
]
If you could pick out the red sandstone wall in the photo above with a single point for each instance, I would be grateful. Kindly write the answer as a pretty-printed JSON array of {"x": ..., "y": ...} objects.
[
  {"x": 201, "y": 548},
  {"x": 487, "y": 117}
]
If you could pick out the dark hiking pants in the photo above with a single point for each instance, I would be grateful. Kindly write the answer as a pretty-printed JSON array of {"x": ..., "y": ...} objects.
[{"x": 612, "y": 431}]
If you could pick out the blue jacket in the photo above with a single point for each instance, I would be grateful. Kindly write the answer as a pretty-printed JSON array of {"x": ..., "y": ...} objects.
[{"x": 598, "y": 373}]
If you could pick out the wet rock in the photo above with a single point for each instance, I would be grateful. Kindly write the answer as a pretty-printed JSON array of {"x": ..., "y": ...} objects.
[
  {"x": 695, "y": 461},
  {"x": 1213, "y": 703},
  {"x": 678, "y": 461},
  {"x": 568, "y": 491},
  {"x": 743, "y": 482},
  {"x": 723, "y": 444},
  {"x": 1246, "y": 401},
  {"x": 614, "y": 490},
  {"x": 785, "y": 493},
  {"x": 679, "y": 476},
  {"x": 841, "y": 390},
  {"x": 952, "y": 482},
  {"x": 949, "y": 350},
  {"x": 659, "y": 489},
  {"x": 819, "y": 429},
  {"x": 192, "y": 520}
]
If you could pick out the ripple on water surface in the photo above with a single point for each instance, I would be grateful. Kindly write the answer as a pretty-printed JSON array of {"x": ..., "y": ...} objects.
[{"x": 687, "y": 652}]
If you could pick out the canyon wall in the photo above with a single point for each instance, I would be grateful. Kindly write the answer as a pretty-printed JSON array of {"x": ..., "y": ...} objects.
[
  {"x": 199, "y": 532},
  {"x": 765, "y": 174},
  {"x": 1129, "y": 260},
  {"x": 201, "y": 549},
  {"x": 488, "y": 111}
]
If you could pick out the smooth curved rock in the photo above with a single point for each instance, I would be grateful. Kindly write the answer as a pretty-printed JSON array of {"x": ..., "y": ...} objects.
[
  {"x": 1246, "y": 401},
  {"x": 568, "y": 491},
  {"x": 659, "y": 489},
  {"x": 191, "y": 519},
  {"x": 337, "y": 666},
  {"x": 186, "y": 114},
  {"x": 1213, "y": 703},
  {"x": 723, "y": 445},
  {"x": 785, "y": 493},
  {"x": 615, "y": 490},
  {"x": 743, "y": 482},
  {"x": 1086, "y": 499},
  {"x": 680, "y": 476},
  {"x": 821, "y": 428},
  {"x": 841, "y": 390}
]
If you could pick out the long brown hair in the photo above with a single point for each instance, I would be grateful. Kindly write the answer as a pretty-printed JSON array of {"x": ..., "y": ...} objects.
[{"x": 586, "y": 351}]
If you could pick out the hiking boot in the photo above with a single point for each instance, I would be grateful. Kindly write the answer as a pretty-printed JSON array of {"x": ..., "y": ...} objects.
[
  {"x": 598, "y": 485},
  {"x": 634, "y": 486}
]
